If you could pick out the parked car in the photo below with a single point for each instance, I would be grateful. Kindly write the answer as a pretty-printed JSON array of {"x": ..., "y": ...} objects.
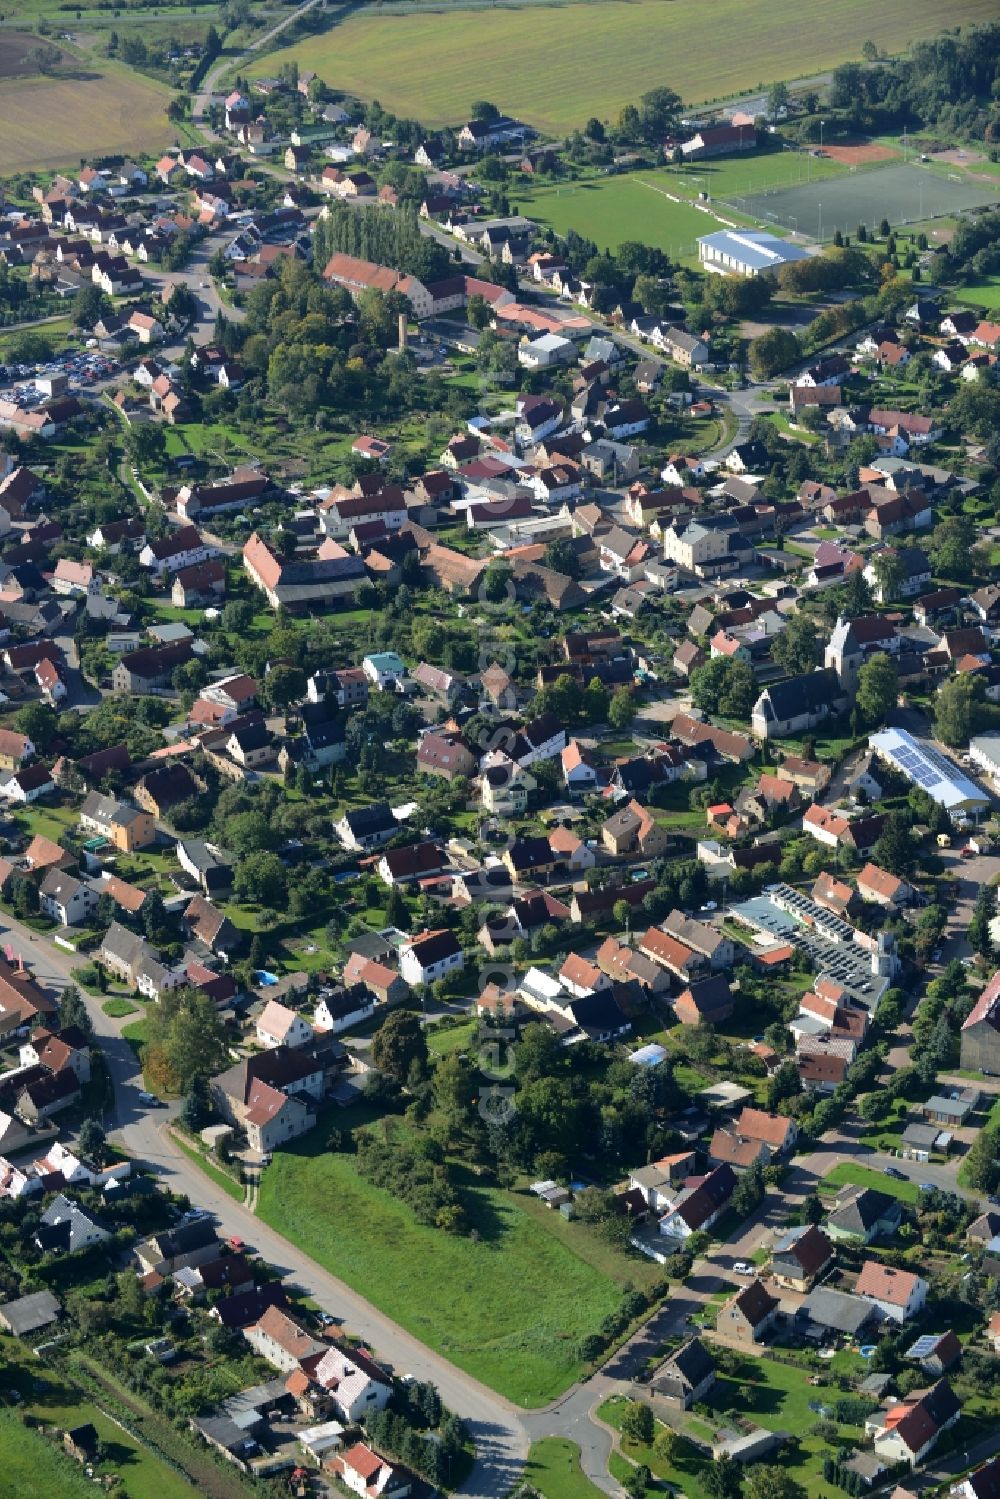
[
  {"x": 895, "y": 1173},
  {"x": 743, "y": 1268}
]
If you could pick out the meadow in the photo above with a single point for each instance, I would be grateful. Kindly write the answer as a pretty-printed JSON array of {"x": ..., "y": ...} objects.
[
  {"x": 509, "y": 1308},
  {"x": 985, "y": 293},
  {"x": 554, "y": 67},
  {"x": 101, "y": 108}
]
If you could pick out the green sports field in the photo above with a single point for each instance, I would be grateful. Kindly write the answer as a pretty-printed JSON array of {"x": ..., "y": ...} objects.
[
  {"x": 611, "y": 209},
  {"x": 556, "y": 66}
]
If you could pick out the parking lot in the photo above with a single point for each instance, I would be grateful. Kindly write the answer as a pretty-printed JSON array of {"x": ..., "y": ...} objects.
[{"x": 82, "y": 369}]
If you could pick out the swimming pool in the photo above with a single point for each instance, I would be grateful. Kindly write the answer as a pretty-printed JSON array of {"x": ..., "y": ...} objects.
[{"x": 265, "y": 980}]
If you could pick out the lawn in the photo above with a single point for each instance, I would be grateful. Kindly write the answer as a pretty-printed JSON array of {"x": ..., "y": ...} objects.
[
  {"x": 775, "y": 1396},
  {"x": 509, "y": 1307},
  {"x": 612, "y": 209},
  {"x": 565, "y": 63},
  {"x": 35, "y": 1468},
  {"x": 100, "y": 110},
  {"x": 118, "y": 1008},
  {"x": 215, "y": 1173},
  {"x": 849, "y": 1173},
  {"x": 985, "y": 293},
  {"x": 59, "y": 1403},
  {"x": 553, "y": 1467}
]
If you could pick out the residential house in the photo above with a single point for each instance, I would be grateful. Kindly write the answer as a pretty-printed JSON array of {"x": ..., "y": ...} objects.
[
  {"x": 899, "y": 1294},
  {"x": 68, "y": 900},
  {"x": 907, "y": 1432},
  {"x": 364, "y": 1471},
  {"x": 980, "y": 1034},
  {"x": 430, "y": 955},
  {"x": 271, "y": 1095},
  {"x": 277, "y": 1025},
  {"x": 749, "y": 1316},
  {"x": 864, "y": 1215},
  {"x": 367, "y": 828},
  {"x": 706, "y": 1001},
  {"x": 800, "y": 1256},
  {"x": 633, "y": 832},
  {"x": 697, "y": 1207},
  {"x": 885, "y": 889},
  {"x": 686, "y": 1376}
]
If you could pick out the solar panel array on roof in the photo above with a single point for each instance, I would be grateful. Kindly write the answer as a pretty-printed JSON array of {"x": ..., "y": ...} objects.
[{"x": 928, "y": 768}]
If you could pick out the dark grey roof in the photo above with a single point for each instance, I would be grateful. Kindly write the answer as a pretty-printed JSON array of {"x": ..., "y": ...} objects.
[
  {"x": 861, "y": 1214},
  {"x": 837, "y": 1310},
  {"x": 693, "y": 1363},
  {"x": 806, "y": 693}
]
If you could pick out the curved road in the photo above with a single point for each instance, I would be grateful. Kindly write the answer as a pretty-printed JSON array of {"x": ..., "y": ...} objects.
[
  {"x": 500, "y": 1437},
  {"x": 223, "y": 65}
]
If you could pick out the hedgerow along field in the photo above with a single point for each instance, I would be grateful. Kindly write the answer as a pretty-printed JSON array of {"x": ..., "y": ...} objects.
[
  {"x": 555, "y": 67},
  {"x": 101, "y": 109}
]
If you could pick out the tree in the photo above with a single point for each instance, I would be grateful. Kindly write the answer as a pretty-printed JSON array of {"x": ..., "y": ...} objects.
[
  {"x": 777, "y": 100},
  {"x": 147, "y": 444},
  {"x": 560, "y": 556},
  {"x": 91, "y": 1139},
  {"x": 878, "y": 688},
  {"x": 950, "y": 545},
  {"x": 768, "y": 1481},
  {"x": 261, "y": 877},
  {"x": 982, "y": 914},
  {"x": 797, "y": 647},
  {"x": 482, "y": 109},
  {"x": 399, "y": 1043},
  {"x": 956, "y": 710},
  {"x": 890, "y": 573},
  {"x": 621, "y": 710},
  {"x": 196, "y": 1110},
  {"x": 284, "y": 685},
  {"x": 725, "y": 685},
  {"x": 749, "y": 1191},
  {"x": 90, "y": 305},
  {"x": 38, "y": 722},
  {"x": 722, "y": 1479},
  {"x": 637, "y": 1424},
  {"x": 894, "y": 848},
  {"x": 73, "y": 1012},
  {"x": 773, "y": 351}
]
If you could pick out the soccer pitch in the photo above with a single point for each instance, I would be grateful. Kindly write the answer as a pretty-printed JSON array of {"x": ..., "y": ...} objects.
[{"x": 903, "y": 194}]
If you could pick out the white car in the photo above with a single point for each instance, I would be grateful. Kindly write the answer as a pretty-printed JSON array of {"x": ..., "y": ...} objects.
[{"x": 742, "y": 1268}]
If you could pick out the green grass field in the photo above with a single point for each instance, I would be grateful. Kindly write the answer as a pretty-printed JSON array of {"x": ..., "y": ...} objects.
[
  {"x": 510, "y": 1309},
  {"x": 556, "y": 66},
  {"x": 553, "y": 1467},
  {"x": 848, "y": 1173},
  {"x": 611, "y": 209},
  {"x": 985, "y": 294},
  {"x": 33, "y": 1468},
  {"x": 740, "y": 176}
]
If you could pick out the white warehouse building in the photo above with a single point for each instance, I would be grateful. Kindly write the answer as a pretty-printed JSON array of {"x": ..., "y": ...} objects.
[
  {"x": 933, "y": 772},
  {"x": 746, "y": 252}
]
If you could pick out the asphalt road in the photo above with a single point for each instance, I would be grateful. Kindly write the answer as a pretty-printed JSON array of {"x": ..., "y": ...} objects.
[
  {"x": 499, "y": 1434},
  {"x": 226, "y": 63}
]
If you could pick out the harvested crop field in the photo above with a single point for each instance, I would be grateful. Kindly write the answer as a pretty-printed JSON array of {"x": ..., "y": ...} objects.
[
  {"x": 859, "y": 153},
  {"x": 902, "y": 194},
  {"x": 15, "y": 47},
  {"x": 555, "y": 66},
  {"x": 50, "y": 122}
]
